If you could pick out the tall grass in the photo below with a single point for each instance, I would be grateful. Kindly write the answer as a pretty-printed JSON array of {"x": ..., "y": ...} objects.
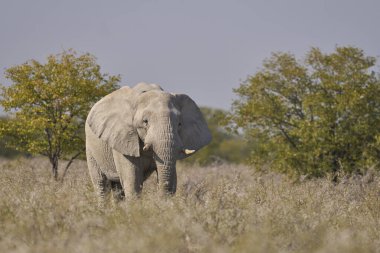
[{"x": 216, "y": 209}]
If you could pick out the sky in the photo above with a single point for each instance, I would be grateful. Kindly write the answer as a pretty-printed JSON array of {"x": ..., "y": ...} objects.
[{"x": 202, "y": 48}]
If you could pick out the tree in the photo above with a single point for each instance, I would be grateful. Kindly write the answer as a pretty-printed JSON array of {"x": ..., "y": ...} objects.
[
  {"x": 49, "y": 104},
  {"x": 224, "y": 147},
  {"x": 5, "y": 151},
  {"x": 313, "y": 117}
]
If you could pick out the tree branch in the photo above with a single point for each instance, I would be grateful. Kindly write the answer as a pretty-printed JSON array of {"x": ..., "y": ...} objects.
[
  {"x": 70, "y": 162},
  {"x": 288, "y": 138}
]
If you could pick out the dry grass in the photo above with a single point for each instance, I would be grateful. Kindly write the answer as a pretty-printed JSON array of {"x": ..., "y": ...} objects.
[{"x": 216, "y": 209}]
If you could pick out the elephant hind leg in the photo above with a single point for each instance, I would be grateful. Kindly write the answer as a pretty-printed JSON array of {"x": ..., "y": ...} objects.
[
  {"x": 149, "y": 172},
  {"x": 117, "y": 190},
  {"x": 100, "y": 182}
]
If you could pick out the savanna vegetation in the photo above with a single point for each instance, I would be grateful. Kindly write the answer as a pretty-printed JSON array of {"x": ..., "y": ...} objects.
[
  {"x": 220, "y": 208},
  {"x": 315, "y": 119}
]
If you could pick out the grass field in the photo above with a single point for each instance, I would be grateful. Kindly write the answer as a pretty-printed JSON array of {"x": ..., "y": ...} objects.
[{"x": 216, "y": 209}]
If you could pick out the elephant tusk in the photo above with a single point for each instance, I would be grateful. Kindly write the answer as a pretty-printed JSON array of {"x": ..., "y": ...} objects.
[
  {"x": 188, "y": 151},
  {"x": 146, "y": 147}
]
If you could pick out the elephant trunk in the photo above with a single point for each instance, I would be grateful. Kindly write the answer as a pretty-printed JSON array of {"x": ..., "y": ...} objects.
[
  {"x": 165, "y": 156},
  {"x": 167, "y": 178}
]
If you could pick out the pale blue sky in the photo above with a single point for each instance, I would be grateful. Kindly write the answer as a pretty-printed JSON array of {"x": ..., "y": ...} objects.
[{"x": 201, "y": 48}]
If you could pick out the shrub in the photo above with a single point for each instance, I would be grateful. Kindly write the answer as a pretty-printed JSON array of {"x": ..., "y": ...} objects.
[{"x": 313, "y": 117}]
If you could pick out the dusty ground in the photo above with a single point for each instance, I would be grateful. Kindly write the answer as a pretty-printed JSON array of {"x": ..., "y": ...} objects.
[{"x": 216, "y": 209}]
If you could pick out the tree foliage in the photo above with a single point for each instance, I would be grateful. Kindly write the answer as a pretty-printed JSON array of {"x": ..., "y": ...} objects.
[
  {"x": 316, "y": 116},
  {"x": 224, "y": 147},
  {"x": 4, "y": 150},
  {"x": 49, "y": 104}
]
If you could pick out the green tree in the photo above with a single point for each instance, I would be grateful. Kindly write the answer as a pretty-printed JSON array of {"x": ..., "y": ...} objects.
[
  {"x": 49, "y": 103},
  {"x": 224, "y": 147},
  {"x": 317, "y": 116},
  {"x": 6, "y": 151}
]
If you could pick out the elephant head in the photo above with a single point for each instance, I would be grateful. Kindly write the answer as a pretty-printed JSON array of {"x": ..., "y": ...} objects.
[{"x": 147, "y": 120}]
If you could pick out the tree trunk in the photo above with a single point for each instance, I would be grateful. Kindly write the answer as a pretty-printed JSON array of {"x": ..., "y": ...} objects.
[{"x": 54, "y": 167}]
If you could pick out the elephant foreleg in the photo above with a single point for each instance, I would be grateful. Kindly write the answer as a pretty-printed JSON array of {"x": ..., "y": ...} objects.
[{"x": 130, "y": 173}]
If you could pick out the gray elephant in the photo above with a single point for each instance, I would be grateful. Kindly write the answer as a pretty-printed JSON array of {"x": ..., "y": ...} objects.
[{"x": 133, "y": 132}]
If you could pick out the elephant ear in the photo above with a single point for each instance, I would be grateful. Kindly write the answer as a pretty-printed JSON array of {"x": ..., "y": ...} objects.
[
  {"x": 194, "y": 131},
  {"x": 111, "y": 120}
]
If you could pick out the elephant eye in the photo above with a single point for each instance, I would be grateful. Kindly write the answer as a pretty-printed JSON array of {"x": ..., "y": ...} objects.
[{"x": 145, "y": 122}]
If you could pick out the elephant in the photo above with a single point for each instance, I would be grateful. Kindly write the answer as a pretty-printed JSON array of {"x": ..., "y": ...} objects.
[{"x": 133, "y": 132}]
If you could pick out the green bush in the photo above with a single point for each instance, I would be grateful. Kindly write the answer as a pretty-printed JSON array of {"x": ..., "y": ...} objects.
[{"x": 312, "y": 117}]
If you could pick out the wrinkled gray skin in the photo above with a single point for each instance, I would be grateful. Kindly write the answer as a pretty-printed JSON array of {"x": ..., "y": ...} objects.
[{"x": 133, "y": 132}]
